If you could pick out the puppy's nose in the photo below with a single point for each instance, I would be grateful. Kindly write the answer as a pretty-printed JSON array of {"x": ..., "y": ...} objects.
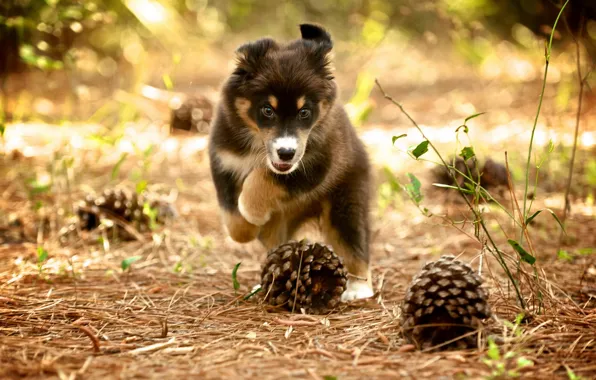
[{"x": 286, "y": 154}]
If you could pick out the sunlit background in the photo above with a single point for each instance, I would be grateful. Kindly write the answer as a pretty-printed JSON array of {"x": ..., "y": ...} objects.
[{"x": 122, "y": 73}]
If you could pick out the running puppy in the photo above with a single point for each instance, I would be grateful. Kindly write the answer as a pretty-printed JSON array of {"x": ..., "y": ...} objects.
[{"x": 284, "y": 156}]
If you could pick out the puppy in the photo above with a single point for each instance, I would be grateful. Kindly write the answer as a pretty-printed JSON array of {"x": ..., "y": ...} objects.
[{"x": 284, "y": 156}]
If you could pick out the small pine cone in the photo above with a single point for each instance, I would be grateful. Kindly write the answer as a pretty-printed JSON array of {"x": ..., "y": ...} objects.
[
  {"x": 443, "y": 176},
  {"x": 448, "y": 292},
  {"x": 494, "y": 174},
  {"x": 303, "y": 275},
  {"x": 194, "y": 114},
  {"x": 123, "y": 205}
]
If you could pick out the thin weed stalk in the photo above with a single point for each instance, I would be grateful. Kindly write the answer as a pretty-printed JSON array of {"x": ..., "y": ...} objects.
[
  {"x": 477, "y": 216},
  {"x": 581, "y": 80},
  {"x": 547, "y": 53}
]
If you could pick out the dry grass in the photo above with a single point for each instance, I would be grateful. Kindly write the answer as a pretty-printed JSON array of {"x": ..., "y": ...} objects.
[{"x": 82, "y": 317}]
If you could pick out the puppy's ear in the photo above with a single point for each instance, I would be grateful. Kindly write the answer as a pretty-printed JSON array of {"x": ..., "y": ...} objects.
[
  {"x": 250, "y": 55},
  {"x": 317, "y": 34},
  {"x": 318, "y": 41}
]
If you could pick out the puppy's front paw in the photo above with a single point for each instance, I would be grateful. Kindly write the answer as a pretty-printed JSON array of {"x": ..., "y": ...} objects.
[
  {"x": 252, "y": 213},
  {"x": 355, "y": 290}
]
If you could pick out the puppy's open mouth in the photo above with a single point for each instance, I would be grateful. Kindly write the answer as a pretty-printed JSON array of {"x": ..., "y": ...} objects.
[{"x": 282, "y": 167}]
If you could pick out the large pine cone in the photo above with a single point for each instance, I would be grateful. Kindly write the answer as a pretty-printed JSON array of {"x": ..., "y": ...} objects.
[
  {"x": 124, "y": 206},
  {"x": 194, "y": 114},
  {"x": 303, "y": 275},
  {"x": 446, "y": 292}
]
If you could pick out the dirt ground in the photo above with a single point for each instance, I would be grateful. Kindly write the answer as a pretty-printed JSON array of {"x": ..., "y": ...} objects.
[{"x": 175, "y": 312}]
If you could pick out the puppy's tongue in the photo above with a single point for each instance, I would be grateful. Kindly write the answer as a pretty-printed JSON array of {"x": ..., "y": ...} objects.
[{"x": 282, "y": 167}]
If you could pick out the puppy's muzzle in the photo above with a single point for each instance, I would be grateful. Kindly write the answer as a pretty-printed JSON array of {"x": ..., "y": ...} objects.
[{"x": 284, "y": 155}]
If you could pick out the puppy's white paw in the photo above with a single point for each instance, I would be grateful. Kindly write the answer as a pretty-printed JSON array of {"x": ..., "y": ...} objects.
[
  {"x": 355, "y": 290},
  {"x": 252, "y": 219}
]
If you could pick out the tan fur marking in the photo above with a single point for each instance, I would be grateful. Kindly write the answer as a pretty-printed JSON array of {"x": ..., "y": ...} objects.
[
  {"x": 323, "y": 108},
  {"x": 300, "y": 102},
  {"x": 273, "y": 101},
  {"x": 242, "y": 106},
  {"x": 238, "y": 228},
  {"x": 261, "y": 196}
]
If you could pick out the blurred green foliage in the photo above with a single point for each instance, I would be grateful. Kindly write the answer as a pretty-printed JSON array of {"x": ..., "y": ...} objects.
[
  {"x": 48, "y": 32},
  {"x": 112, "y": 44}
]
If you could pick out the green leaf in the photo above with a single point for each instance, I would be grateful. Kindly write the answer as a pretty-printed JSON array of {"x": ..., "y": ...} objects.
[
  {"x": 523, "y": 362},
  {"x": 141, "y": 186},
  {"x": 465, "y": 127},
  {"x": 551, "y": 146},
  {"x": 178, "y": 267},
  {"x": 519, "y": 318},
  {"x": 420, "y": 149},
  {"x": 167, "y": 81},
  {"x": 329, "y": 377},
  {"x": 571, "y": 375},
  {"x": 36, "y": 187},
  {"x": 126, "y": 263},
  {"x": 473, "y": 116},
  {"x": 151, "y": 213},
  {"x": 467, "y": 153},
  {"x": 413, "y": 189},
  {"x": 525, "y": 256},
  {"x": 585, "y": 251},
  {"x": 564, "y": 255},
  {"x": 27, "y": 54},
  {"x": 42, "y": 255},
  {"x": 251, "y": 294},
  {"x": 391, "y": 179},
  {"x": 395, "y": 138},
  {"x": 235, "y": 282},
  {"x": 2, "y": 130},
  {"x": 552, "y": 213},
  {"x": 116, "y": 168},
  {"x": 493, "y": 350}
]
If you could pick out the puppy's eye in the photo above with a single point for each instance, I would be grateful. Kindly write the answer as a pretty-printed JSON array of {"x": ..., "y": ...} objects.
[
  {"x": 304, "y": 113},
  {"x": 267, "y": 111}
]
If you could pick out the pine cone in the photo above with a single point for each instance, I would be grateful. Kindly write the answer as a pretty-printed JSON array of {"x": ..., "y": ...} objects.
[
  {"x": 494, "y": 174},
  {"x": 442, "y": 175},
  {"x": 194, "y": 114},
  {"x": 122, "y": 205},
  {"x": 447, "y": 292},
  {"x": 303, "y": 275}
]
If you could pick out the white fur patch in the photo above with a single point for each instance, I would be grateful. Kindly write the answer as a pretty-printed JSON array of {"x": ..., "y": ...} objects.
[
  {"x": 241, "y": 165},
  {"x": 285, "y": 142},
  {"x": 356, "y": 289}
]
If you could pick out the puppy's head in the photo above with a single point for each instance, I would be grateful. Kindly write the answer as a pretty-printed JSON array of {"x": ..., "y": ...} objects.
[{"x": 280, "y": 93}]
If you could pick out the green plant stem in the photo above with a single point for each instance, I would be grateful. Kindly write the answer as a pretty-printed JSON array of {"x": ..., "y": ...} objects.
[
  {"x": 581, "y": 81},
  {"x": 477, "y": 215},
  {"x": 547, "y": 57}
]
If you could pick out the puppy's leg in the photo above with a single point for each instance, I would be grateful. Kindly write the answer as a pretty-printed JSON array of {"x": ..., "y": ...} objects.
[
  {"x": 260, "y": 197},
  {"x": 274, "y": 232},
  {"x": 345, "y": 226},
  {"x": 238, "y": 228},
  {"x": 227, "y": 189}
]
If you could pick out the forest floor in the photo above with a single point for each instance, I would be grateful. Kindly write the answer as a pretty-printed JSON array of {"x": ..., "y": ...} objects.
[{"x": 76, "y": 314}]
